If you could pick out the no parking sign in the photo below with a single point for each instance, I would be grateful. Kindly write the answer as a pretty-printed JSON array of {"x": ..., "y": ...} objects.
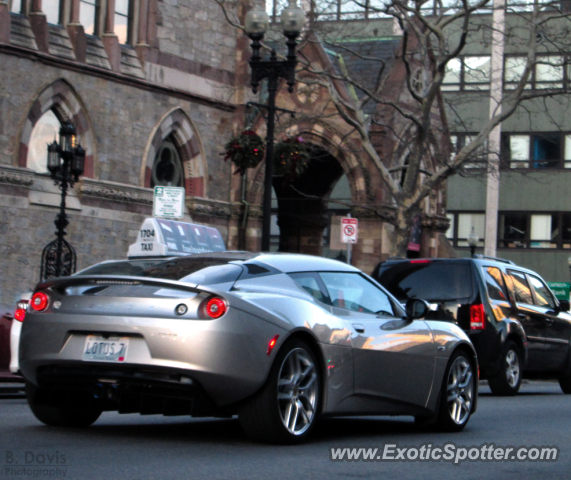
[{"x": 349, "y": 229}]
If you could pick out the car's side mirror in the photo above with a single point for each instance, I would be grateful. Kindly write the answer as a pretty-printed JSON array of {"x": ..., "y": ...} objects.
[
  {"x": 564, "y": 305},
  {"x": 416, "y": 308}
]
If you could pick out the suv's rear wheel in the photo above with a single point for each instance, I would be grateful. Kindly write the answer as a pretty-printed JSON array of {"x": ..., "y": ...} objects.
[
  {"x": 565, "y": 379},
  {"x": 508, "y": 379}
]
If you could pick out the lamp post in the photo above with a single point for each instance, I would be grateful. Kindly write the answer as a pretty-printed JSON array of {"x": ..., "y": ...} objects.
[
  {"x": 65, "y": 163},
  {"x": 473, "y": 241},
  {"x": 257, "y": 22}
]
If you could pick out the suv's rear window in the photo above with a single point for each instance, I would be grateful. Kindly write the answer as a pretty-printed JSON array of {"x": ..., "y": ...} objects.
[{"x": 430, "y": 281}]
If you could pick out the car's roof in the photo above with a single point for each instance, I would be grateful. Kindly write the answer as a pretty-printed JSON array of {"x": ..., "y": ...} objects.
[
  {"x": 295, "y": 262},
  {"x": 477, "y": 259},
  {"x": 284, "y": 262}
]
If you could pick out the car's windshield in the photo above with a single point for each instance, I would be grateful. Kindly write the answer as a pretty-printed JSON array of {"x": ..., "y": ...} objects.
[{"x": 431, "y": 281}]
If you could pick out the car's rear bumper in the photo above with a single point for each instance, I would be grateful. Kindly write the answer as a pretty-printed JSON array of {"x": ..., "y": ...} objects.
[{"x": 227, "y": 357}]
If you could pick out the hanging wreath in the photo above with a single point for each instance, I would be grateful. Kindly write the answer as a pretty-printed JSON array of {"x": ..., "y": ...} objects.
[
  {"x": 290, "y": 157},
  {"x": 245, "y": 150}
]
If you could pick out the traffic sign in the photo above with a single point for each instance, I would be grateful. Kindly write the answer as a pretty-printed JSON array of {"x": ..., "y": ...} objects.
[
  {"x": 349, "y": 230},
  {"x": 168, "y": 202}
]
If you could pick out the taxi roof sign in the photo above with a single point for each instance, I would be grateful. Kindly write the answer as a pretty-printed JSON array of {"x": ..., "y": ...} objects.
[{"x": 160, "y": 237}]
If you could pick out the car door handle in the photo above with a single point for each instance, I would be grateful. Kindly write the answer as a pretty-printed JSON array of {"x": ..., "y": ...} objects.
[
  {"x": 523, "y": 316},
  {"x": 549, "y": 320},
  {"x": 359, "y": 328}
]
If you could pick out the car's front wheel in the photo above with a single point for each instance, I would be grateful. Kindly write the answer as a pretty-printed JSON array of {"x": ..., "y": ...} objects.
[
  {"x": 508, "y": 379},
  {"x": 457, "y": 394},
  {"x": 286, "y": 408},
  {"x": 60, "y": 416}
]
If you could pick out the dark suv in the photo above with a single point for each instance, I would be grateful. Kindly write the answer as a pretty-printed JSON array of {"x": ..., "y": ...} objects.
[{"x": 515, "y": 322}]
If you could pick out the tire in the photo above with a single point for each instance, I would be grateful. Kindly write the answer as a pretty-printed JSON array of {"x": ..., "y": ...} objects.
[
  {"x": 457, "y": 394},
  {"x": 285, "y": 410},
  {"x": 54, "y": 416},
  {"x": 565, "y": 379},
  {"x": 508, "y": 379}
]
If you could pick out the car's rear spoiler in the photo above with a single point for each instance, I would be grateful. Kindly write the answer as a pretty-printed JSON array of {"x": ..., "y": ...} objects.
[{"x": 61, "y": 283}]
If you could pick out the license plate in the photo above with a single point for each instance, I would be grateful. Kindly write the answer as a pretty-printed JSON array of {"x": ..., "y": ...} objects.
[{"x": 105, "y": 349}]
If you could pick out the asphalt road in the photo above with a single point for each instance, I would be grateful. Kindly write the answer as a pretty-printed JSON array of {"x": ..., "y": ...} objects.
[{"x": 136, "y": 447}]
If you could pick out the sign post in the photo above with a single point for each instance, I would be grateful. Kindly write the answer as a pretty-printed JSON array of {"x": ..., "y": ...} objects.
[
  {"x": 168, "y": 202},
  {"x": 349, "y": 232}
]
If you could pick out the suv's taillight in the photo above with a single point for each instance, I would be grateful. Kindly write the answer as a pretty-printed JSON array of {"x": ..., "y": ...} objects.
[
  {"x": 20, "y": 312},
  {"x": 477, "y": 317},
  {"x": 39, "y": 301}
]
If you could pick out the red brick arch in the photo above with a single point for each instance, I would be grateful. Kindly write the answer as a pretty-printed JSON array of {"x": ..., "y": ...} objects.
[
  {"x": 177, "y": 124},
  {"x": 325, "y": 138},
  {"x": 64, "y": 100}
]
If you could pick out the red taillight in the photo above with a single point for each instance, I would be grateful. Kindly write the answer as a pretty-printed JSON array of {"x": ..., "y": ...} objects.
[
  {"x": 39, "y": 301},
  {"x": 20, "y": 312},
  {"x": 420, "y": 261},
  {"x": 272, "y": 344},
  {"x": 215, "y": 307},
  {"x": 477, "y": 317}
]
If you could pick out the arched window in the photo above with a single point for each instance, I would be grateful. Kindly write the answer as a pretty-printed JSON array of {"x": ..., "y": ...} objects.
[
  {"x": 167, "y": 167},
  {"x": 16, "y": 6},
  {"x": 45, "y": 131},
  {"x": 89, "y": 16},
  {"x": 124, "y": 21},
  {"x": 52, "y": 9}
]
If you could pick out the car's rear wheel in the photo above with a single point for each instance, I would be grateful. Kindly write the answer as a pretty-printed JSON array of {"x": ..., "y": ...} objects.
[
  {"x": 508, "y": 379},
  {"x": 286, "y": 408},
  {"x": 457, "y": 395},
  {"x": 60, "y": 416}
]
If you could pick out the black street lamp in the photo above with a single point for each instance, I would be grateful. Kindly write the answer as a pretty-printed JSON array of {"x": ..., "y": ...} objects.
[
  {"x": 65, "y": 163},
  {"x": 292, "y": 20},
  {"x": 473, "y": 241}
]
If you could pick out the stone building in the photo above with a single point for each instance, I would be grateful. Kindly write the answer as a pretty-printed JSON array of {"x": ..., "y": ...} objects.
[
  {"x": 152, "y": 102},
  {"x": 155, "y": 89}
]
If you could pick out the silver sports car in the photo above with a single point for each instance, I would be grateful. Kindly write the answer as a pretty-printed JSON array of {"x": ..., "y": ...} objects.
[{"x": 277, "y": 339}]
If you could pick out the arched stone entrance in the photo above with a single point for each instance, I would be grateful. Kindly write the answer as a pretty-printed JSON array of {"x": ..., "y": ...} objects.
[{"x": 302, "y": 203}]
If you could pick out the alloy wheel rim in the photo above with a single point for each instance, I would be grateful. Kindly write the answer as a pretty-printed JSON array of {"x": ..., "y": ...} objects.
[
  {"x": 297, "y": 391},
  {"x": 512, "y": 368},
  {"x": 460, "y": 390}
]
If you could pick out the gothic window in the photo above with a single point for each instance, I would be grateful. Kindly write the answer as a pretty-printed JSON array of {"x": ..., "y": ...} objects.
[
  {"x": 124, "y": 21},
  {"x": 167, "y": 167},
  {"x": 89, "y": 15},
  {"x": 45, "y": 131},
  {"x": 52, "y": 9},
  {"x": 16, "y": 6}
]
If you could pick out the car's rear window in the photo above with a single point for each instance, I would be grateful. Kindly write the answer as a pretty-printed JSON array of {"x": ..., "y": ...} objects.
[
  {"x": 203, "y": 271},
  {"x": 431, "y": 281},
  {"x": 191, "y": 269},
  {"x": 123, "y": 267}
]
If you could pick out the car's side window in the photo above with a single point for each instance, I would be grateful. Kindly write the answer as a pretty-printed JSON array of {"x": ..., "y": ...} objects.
[
  {"x": 495, "y": 284},
  {"x": 310, "y": 282},
  {"x": 354, "y": 292},
  {"x": 543, "y": 296},
  {"x": 521, "y": 288}
]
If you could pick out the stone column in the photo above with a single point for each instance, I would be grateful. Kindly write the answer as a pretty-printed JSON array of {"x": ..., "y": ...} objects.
[
  {"x": 39, "y": 24},
  {"x": 142, "y": 46},
  {"x": 77, "y": 33},
  {"x": 110, "y": 40},
  {"x": 4, "y": 22}
]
